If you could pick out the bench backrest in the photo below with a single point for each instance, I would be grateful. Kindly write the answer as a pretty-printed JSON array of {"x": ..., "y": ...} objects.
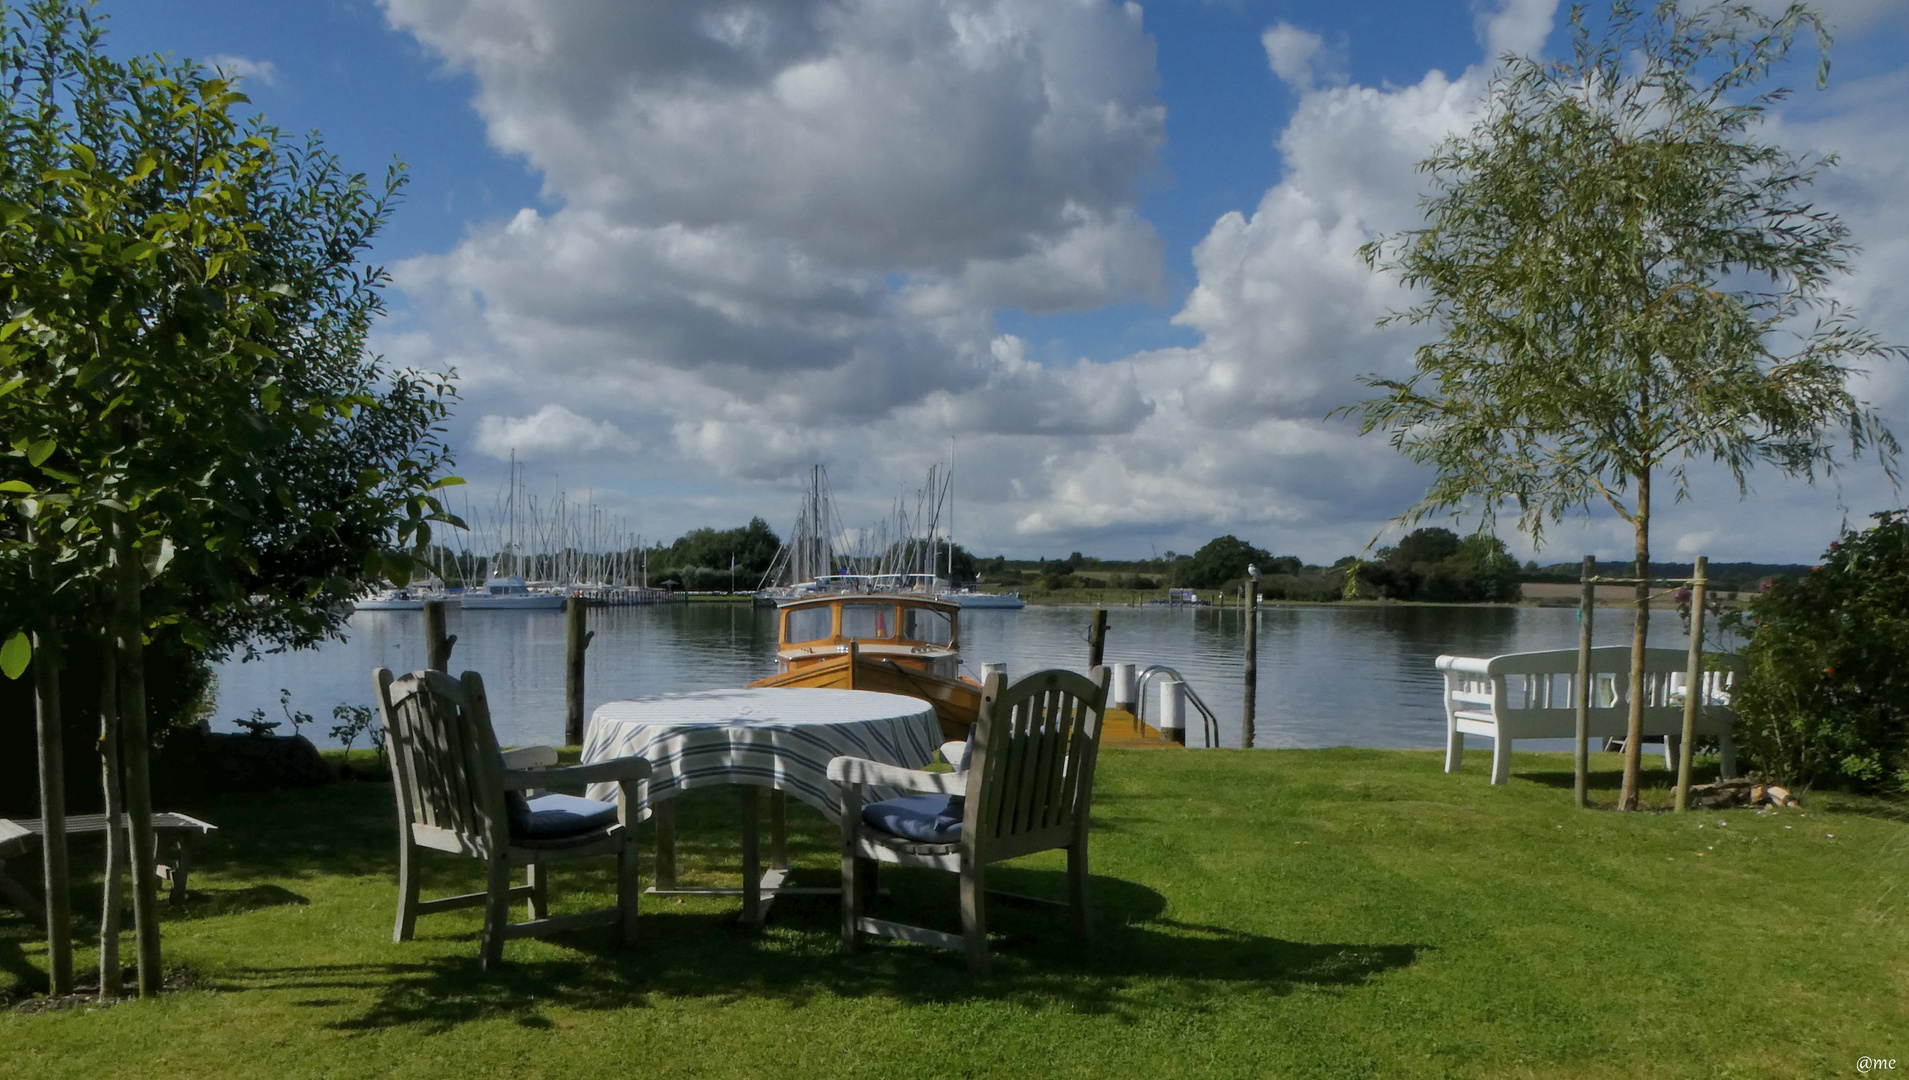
[{"x": 1546, "y": 680}]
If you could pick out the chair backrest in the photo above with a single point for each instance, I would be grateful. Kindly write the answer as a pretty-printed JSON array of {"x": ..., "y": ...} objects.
[
  {"x": 1031, "y": 776},
  {"x": 445, "y": 759}
]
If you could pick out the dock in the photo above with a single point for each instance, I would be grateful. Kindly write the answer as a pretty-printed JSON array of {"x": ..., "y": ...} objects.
[{"x": 1122, "y": 730}]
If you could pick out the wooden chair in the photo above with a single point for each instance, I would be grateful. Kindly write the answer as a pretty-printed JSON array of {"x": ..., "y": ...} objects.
[
  {"x": 1028, "y": 787},
  {"x": 458, "y": 792}
]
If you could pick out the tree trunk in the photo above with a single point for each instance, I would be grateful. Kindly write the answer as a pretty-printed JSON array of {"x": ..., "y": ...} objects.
[
  {"x": 111, "y": 978},
  {"x": 129, "y": 644},
  {"x": 1634, "y": 728},
  {"x": 52, "y": 763}
]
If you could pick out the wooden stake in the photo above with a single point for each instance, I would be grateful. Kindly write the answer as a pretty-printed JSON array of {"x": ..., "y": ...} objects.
[
  {"x": 1693, "y": 678},
  {"x": 112, "y": 895},
  {"x": 1251, "y": 606},
  {"x": 437, "y": 644},
  {"x": 1097, "y": 639},
  {"x": 576, "y": 639},
  {"x": 1587, "y": 603}
]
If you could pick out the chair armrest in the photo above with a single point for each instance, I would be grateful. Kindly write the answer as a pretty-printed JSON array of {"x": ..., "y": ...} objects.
[
  {"x": 852, "y": 770},
  {"x": 615, "y": 770},
  {"x": 530, "y": 757}
]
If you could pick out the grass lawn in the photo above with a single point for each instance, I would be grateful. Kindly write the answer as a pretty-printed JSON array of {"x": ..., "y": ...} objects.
[{"x": 1274, "y": 913}]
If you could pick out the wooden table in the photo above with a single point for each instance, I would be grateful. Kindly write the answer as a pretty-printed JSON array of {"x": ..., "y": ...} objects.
[
  {"x": 776, "y": 738},
  {"x": 15, "y": 836}
]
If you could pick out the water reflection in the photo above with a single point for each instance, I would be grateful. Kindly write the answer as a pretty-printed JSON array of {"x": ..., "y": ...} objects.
[{"x": 1328, "y": 676}]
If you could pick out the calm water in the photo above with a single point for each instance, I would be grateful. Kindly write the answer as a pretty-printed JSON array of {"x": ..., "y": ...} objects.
[{"x": 1328, "y": 676}]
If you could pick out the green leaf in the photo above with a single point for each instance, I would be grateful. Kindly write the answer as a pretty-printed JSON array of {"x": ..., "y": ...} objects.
[
  {"x": 449, "y": 481},
  {"x": 20, "y": 486},
  {"x": 139, "y": 249},
  {"x": 38, "y": 452},
  {"x": 12, "y": 384},
  {"x": 16, "y": 654}
]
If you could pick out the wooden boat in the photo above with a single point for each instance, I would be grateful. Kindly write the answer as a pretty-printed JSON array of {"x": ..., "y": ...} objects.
[{"x": 893, "y": 643}]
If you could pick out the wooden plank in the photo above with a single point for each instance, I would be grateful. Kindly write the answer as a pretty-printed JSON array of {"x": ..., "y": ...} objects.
[{"x": 904, "y": 932}]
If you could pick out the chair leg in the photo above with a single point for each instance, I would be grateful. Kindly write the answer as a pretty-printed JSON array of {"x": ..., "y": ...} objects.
[
  {"x": 851, "y": 899},
  {"x": 537, "y": 876},
  {"x": 181, "y": 867},
  {"x": 1077, "y": 912},
  {"x": 974, "y": 917},
  {"x": 1454, "y": 748},
  {"x": 629, "y": 888},
  {"x": 496, "y": 914},
  {"x": 407, "y": 889},
  {"x": 1500, "y": 760}
]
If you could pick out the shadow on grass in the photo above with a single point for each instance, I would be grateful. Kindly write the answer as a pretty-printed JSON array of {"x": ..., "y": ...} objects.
[
  {"x": 1138, "y": 962},
  {"x": 1648, "y": 778}
]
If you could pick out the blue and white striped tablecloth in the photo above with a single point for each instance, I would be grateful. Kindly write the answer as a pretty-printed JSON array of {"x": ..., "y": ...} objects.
[{"x": 773, "y": 737}]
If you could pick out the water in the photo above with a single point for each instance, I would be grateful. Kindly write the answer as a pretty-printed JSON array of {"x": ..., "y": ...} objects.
[{"x": 1328, "y": 676}]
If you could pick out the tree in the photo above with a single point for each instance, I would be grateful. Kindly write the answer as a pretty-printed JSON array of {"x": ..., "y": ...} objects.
[
  {"x": 1625, "y": 280},
  {"x": 1224, "y": 559},
  {"x": 198, "y": 440}
]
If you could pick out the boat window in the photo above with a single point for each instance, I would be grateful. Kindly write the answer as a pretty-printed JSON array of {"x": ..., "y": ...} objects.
[
  {"x": 863, "y": 621},
  {"x": 927, "y": 624},
  {"x": 806, "y": 624}
]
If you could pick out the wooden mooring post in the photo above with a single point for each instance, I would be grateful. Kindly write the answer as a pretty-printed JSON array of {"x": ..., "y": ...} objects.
[
  {"x": 1581, "y": 760},
  {"x": 1693, "y": 678},
  {"x": 437, "y": 644},
  {"x": 1097, "y": 639},
  {"x": 576, "y": 639},
  {"x": 1250, "y": 605}
]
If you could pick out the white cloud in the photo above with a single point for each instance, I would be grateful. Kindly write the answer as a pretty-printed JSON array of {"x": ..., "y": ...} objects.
[
  {"x": 1518, "y": 27},
  {"x": 264, "y": 72},
  {"x": 552, "y": 431},
  {"x": 1293, "y": 53}
]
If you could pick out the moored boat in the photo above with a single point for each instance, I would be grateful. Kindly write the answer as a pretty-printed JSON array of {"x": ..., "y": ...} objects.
[
  {"x": 896, "y": 643},
  {"x": 510, "y": 594}
]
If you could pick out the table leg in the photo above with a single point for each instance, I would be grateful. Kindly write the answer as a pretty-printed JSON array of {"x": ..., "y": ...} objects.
[
  {"x": 751, "y": 858},
  {"x": 778, "y": 829},
  {"x": 18, "y": 895},
  {"x": 663, "y": 814}
]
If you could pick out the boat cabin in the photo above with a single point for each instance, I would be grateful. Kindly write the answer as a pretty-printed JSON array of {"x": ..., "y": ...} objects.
[{"x": 911, "y": 630}]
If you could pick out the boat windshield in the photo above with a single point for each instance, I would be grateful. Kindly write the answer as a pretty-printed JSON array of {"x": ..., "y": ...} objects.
[
  {"x": 861, "y": 622},
  {"x": 927, "y": 624},
  {"x": 806, "y": 624}
]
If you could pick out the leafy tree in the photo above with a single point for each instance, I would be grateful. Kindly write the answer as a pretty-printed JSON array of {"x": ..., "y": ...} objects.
[
  {"x": 1826, "y": 697},
  {"x": 1224, "y": 559},
  {"x": 197, "y": 438},
  {"x": 1625, "y": 279}
]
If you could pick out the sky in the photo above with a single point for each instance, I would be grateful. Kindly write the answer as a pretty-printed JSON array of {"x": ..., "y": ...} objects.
[{"x": 1102, "y": 256}]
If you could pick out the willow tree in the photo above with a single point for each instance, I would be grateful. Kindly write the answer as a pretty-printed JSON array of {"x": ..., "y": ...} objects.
[
  {"x": 198, "y": 442},
  {"x": 1627, "y": 281}
]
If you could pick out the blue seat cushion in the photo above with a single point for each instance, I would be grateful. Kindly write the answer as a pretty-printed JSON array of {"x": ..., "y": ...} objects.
[
  {"x": 558, "y": 817},
  {"x": 931, "y": 819}
]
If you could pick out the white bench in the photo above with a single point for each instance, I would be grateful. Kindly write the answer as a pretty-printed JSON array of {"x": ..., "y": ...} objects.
[{"x": 1533, "y": 695}]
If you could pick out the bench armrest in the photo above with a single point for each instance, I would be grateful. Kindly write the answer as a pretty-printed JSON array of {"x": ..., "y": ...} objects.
[
  {"x": 613, "y": 771},
  {"x": 853, "y": 770}
]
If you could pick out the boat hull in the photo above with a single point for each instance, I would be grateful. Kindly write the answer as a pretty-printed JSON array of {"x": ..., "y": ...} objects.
[
  {"x": 957, "y": 702},
  {"x": 539, "y": 602}
]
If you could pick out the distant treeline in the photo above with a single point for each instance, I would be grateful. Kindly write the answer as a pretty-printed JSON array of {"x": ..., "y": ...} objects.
[{"x": 1728, "y": 577}]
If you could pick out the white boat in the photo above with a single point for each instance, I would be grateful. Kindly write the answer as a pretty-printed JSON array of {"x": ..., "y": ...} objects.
[
  {"x": 511, "y": 594},
  {"x": 969, "y": 598}
]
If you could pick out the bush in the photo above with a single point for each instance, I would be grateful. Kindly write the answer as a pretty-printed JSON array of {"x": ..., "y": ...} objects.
[{"x": 1826, "y": 697}]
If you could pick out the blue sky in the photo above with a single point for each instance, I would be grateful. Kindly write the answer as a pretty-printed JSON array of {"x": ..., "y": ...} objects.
[{"x": 678, "y": 251}]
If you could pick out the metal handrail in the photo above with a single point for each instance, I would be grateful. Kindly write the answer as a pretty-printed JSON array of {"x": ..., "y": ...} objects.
[{"x": 1210, "y": 729}]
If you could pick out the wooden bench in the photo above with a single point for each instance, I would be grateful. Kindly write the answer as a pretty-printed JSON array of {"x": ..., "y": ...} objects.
[
  {"x": 17, "y": 836},
  {"x": 1533, "y": 695}
]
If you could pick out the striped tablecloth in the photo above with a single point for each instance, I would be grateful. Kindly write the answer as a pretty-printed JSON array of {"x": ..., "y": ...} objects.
[{"x": 772, "y": 737}]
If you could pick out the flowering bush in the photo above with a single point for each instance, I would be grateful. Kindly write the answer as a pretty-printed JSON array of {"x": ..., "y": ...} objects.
[{"x": 1826, "y": 700}]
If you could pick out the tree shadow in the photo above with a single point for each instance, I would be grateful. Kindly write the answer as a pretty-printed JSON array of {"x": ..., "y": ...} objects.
[
  {"x": 1649, "y": 778},
  {"x": 1138, "y": 962}
]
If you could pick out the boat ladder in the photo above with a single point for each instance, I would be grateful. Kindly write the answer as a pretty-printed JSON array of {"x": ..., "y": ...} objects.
[{"x": 1210, "y": 727}]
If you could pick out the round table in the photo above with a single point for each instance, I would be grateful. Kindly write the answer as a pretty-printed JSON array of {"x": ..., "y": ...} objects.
[{"x": 774, "y": 737}]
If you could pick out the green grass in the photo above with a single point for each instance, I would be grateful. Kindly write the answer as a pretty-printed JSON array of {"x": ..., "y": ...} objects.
[{"x": 1338, "y": 913}]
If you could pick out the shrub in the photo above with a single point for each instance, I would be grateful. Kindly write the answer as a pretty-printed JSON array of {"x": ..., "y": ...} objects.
[{"x": 1826, "y": 697}]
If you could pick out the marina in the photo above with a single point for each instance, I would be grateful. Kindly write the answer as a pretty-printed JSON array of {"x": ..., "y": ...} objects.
[{"x": 1328, "y": 675}]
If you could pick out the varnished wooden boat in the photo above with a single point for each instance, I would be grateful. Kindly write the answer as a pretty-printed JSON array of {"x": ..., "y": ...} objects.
[{"x": 893, "y": 643}]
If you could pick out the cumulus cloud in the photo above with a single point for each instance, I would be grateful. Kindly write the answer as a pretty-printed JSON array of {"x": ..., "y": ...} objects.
[
  {"x": 799, "y": 216},
  {"x": 263, "y": 72},
  {"x": 551, "y": 432},
  {"x": 1300, "y": 57}
]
